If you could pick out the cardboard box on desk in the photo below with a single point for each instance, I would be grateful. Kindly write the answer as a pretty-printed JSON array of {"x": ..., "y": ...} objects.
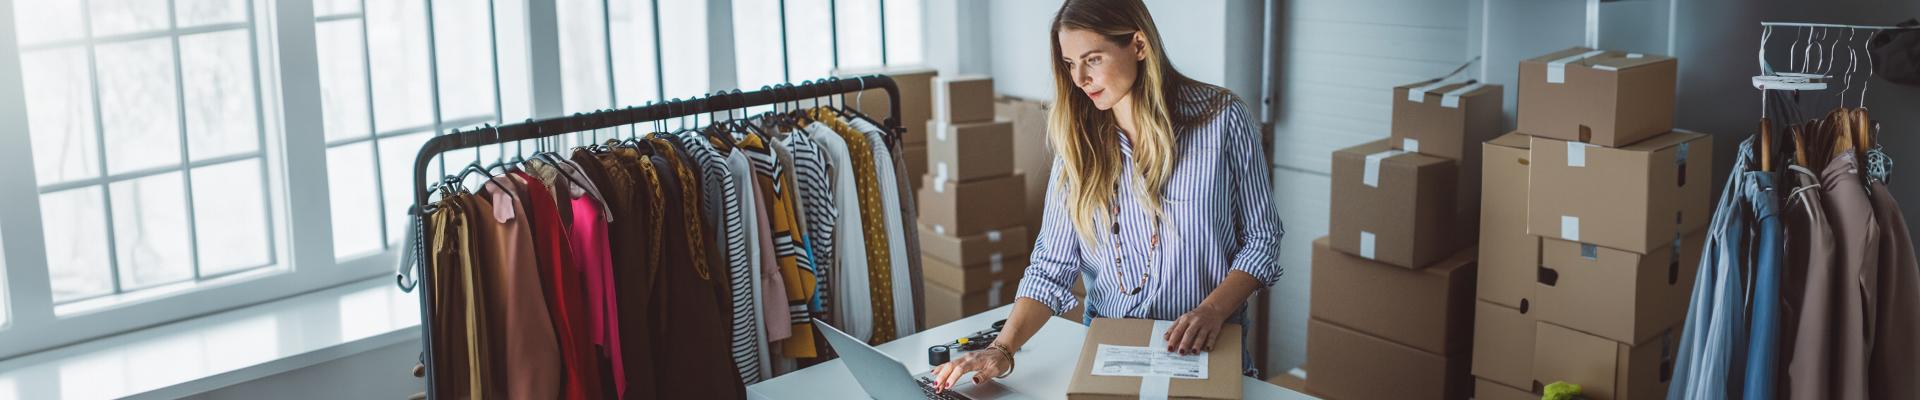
[
  {"x": 1503, "y": 344},
  {"x": 965, "y": 98},
  {"x": 1601, "y": 97},
  {"x": 969, "y": 151},
  {"x": 972, "y": 278},
  {"x": 1509, "y": 257},
  {"x": 993, "y": 246},
  {"x": 967, "y": 208},
  {"x": 1349, "y": 364},
  {"x": 1605, "y": 369},
  {"x": 1634, "y": 198},
  {"x": 916, "y": 98},
  {"x": 1616, "y": 294},
  {"x": 1430, "y": 309},
  {"x": 1223, "y": 365},
  {"x": 1394, "y": 207},
  {"x": 944, "y": 304},
  {"x": 1449, "y": 120}
]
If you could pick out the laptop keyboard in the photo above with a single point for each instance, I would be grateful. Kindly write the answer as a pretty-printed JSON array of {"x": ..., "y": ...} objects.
[{"x": 926, "y": 386}]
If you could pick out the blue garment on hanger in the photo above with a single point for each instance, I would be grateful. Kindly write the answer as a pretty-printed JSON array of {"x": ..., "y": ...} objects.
[
  {"x": 1763, "y": 339},
  {"x": 1716, "y": 308}
]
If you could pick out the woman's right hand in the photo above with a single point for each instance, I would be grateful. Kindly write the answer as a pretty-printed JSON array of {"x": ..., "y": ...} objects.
[{"x": 985, "y": 364}]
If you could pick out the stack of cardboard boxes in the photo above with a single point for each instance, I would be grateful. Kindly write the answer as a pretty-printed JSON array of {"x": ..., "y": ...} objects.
[
  {"x": 916, "y": 108},
  {"x": 1594, "y": 217},
  {"x": 972, "y": 209},
  {"x": 1393, "y": 284}
]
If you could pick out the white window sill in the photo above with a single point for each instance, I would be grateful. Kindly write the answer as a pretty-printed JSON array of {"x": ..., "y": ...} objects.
[{"x": 202, "y": 354}]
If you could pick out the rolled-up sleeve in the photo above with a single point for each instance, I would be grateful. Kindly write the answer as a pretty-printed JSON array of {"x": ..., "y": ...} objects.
[
  {"x": 1054, "y": 263},
  {"x": 1260, "y": 229}
]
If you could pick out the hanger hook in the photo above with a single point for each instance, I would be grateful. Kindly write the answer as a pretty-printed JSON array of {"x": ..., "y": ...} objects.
[{"x": 1869, "y": 80}]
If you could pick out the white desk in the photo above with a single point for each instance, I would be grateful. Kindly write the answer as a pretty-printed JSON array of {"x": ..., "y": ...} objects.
[{"x": 1045, "y": 364}]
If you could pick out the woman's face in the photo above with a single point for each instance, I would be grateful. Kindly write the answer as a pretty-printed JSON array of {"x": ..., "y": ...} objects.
[{"x": 1103, "y": 70}]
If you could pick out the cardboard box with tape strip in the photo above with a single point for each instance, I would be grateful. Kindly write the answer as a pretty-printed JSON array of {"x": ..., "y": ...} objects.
[
  {"x": 916, "y": 98},
  {"x": 968, "y": 151},
  {"x": 1349, "y": 364},
  {"x": 965, "y": 98},
  {"x": 1430, "y": 309},
  {"x": 1002, "y": 245},
  {"x": 1222, "y": 379},
  {"x": 1503, "y": 344},
  {"x": 1634, "y": 198},
  {"x": 972, "y": 278},
  {"x": 1606, "y": 98},
  {"x": 1508, "y": 255},
  {"x": 968, "y": 208},
  {"x": 1619, "y": 295},
  {"x": 1605, "y": 369},
  {"x": 1393, "y": 206},
  {"x": 945, "y": 304},
  {"x": 1449, "y": 120}
]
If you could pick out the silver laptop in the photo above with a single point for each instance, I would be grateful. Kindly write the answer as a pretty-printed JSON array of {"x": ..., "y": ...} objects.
[{"x": 884, "y": 378}]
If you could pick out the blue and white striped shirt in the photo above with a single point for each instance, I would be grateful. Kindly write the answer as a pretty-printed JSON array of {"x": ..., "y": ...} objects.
[{"x": 1217, "y": 217}]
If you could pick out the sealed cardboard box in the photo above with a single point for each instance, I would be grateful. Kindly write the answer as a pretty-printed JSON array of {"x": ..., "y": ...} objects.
[
  {"x": 1488, "y": 390},
  {"x": 1634, "y": 198},
  {"x": 1393, "y": 206},
  {"x": 965, "y": 98},
  {"x": 969, "y": 151},
  {"x": 916, "y": 98},
  {"x": 1604, "y": 369},
  {"x": 1449, "y": 120},
  {"x": 916, "y": 155},
  {"x": 1508, "y": 255},
  {"x": 1503, "y": 344},
  {"x": 967, "y": 208},
  {"x": 1430, "y": 309},
  {"x": 945, "y": 305},
  {"x": 993, "y": 246},
  {"x": 1222, "y": 369},
  {"x": 1290, "y": 381},
  {"x": 972, "y": 278},
  {"x": 1605, "y": 98},
  {"x": 1618, "y": 295},
  {"x": 1349, "y": 364}
]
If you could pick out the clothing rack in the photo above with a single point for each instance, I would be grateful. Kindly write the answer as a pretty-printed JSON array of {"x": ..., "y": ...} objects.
[{"x": 583, "y": 122}]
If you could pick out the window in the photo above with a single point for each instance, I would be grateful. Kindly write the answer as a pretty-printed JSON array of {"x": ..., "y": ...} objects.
[
  {"x": 146, "y": 125},
  {"x": 808, "y": 39},
  {"x": 390, "y": 78}
]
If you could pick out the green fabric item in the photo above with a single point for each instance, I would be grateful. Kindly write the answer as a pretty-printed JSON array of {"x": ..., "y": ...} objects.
[{"x": 1562, "y": 391}]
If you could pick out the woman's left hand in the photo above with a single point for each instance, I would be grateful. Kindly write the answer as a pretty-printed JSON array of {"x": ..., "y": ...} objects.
[{"x": 1196, "y": 330}]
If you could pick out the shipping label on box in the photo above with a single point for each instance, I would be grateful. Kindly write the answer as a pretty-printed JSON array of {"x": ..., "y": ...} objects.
[
  {"x": 1619, "y": 295},
  {"x": 968, "y": 208},
  {"x": 1605, "y": 369},
  {"x": 1430, "y": 309},
  {"x": 1508, "y": 255},
  {"x": 1349, "y": 364},
  {"x": 971, "y": 150},
  {"x": 1222, "y": 379},
  {"x": 1394, "y": 207},
  {"x": 993, "y": 246},
  {"x": 1634, "y": 198},
  {"x": 1606, "y": 98},
  {"x": 965, "y": 98},
  {"x": 1503, "y": 344}
]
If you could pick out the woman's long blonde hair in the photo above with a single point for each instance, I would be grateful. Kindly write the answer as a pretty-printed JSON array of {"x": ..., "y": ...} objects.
[{"x": 1085, "y": 138}]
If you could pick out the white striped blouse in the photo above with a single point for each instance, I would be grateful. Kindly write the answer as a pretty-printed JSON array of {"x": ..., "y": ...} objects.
[{"x": 1218, "y": 217}]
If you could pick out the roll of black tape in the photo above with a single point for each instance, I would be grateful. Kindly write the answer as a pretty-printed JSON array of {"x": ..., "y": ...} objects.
[{"x": 937, "y": 355}]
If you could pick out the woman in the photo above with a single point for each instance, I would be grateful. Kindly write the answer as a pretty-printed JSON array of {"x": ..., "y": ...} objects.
[{"x": 1164, "y": 171}]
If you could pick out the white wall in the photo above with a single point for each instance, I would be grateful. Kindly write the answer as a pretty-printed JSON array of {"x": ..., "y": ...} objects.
[{"x": 1214, "y": 41}]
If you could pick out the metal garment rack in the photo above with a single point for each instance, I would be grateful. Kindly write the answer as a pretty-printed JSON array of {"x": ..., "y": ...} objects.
[{"x": 584, "y": 122}]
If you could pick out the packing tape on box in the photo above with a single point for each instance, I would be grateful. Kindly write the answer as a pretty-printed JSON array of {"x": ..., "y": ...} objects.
[
  {"x": 939, "y": 181},
  {"x": 1577, "y": 154},
  {"x": 993, "y": 293},
  {"x": 1366, "y": 244},
  {"x": 1570, "y": 228},
  {"x": 1451, "y": 99},
  {"x": 1155, "y": 386},
  {"x": 1370, "y": 175},
  {"x": 1614, "y": 68},
  {"x": 939, "y": 229},
  {"x": 1557, "y": 69},
  {"x": 940, "y": 133},
  {"x": 1418, "y": 94},
  {"x": 1410, "y": 144},
  {"x": 993, "y": 236},
  {"x": 994, "y": 264}
]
